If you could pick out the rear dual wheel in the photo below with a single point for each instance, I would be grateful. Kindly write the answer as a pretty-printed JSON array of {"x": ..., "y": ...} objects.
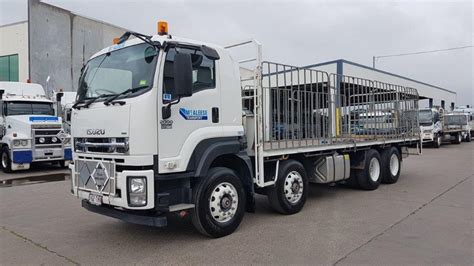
[
  {"x": 391, "y": 165},
  {"x": 370, "y": 176},
  {"x": 457, "y": 139}
]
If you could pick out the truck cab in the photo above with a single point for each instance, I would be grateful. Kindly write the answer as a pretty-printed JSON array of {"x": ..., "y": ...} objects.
[
  {"x": 457, "y": 127},
  {"x": 431, "y": 125},
  {"x": 29, "y": 130}
]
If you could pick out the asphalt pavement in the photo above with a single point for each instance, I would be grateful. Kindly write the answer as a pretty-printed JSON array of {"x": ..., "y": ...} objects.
[{"x": 425, "y": 218}]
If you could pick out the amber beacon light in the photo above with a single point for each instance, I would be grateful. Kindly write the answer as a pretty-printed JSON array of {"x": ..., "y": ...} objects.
[{"x": 162, "y": 28}]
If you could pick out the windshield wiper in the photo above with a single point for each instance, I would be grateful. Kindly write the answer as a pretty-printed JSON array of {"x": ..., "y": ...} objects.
[
  {"x": 126, "y": 92},
  {"x": 86, "y": 104}
]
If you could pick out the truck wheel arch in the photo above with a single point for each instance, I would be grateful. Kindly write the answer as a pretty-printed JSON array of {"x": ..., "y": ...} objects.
[{"x": 224, "y": 152}]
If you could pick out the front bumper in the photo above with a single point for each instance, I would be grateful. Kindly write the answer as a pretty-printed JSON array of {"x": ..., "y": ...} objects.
[
  {"x": 119, "y": 195},
  {"x": 157, "y": 221},
  {"x": 20, "y": 156}
]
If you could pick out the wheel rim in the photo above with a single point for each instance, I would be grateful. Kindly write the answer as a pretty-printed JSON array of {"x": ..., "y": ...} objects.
[
  {"x": 394, "y": 164},
  {"x": 459, "y": 138},
  {"x": 4, "y": 160},
  {"x": 374, "y": 169},
  {"x": 293, "y": 189},
  {"x": 223, "y": 202},
  {"x": 439, "y": 141}
]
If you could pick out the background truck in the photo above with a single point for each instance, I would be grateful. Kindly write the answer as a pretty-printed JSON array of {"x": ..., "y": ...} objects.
[
  {"x": 456, "y": 127},
  {"x": 63, "y": 107},
  {"x": 431, "y": 125},
  {"x": 29, "y": 130},
  {"x": 165, "y": 124},
  {"x": 470, "y": 112}
]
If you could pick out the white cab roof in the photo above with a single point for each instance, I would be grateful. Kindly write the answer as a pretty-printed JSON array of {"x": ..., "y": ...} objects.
[{"x": 21, "y": 91}]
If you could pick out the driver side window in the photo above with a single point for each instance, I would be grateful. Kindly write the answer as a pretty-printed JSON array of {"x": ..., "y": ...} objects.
[{"x": 204, "y": 73}]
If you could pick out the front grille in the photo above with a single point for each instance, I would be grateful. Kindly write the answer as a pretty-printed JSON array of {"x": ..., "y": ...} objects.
[
  {"x": 47, "y": 137},
  {"x": 101, "y": 145}
]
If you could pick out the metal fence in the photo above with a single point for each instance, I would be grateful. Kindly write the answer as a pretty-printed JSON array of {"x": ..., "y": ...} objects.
[{"x": 302, "y": 107}]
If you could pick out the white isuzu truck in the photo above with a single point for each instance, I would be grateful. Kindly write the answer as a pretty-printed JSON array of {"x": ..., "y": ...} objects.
[
  {"x": 431, "y": 125},
  {"x": 164, "y": 124},
  {"x": 29, "y": 130}
]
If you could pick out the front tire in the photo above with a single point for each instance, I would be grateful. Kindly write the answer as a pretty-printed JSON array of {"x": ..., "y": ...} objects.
[
  {"x": 437, "y": 141},
  {"x": 391, "y": 165},
  {"x": 290, "y": 191},
  {"x": 6, "y": 161},
  {"x": 219, "y": 202},
  {"x": 370, "y": 177}
]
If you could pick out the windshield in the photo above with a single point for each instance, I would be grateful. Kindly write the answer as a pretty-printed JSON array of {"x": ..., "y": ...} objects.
[
  {"x": 117, "y": 71},
  {"x": 426, "y": 117},
  {"x": 455, "y": 120},
  {"x": 28, "y": 108}
]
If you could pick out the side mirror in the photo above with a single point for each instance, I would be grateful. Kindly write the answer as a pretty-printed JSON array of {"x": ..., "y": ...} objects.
[{"x": 183, "y": 75}]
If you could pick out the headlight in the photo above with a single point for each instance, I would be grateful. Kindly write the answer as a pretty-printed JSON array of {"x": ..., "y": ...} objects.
[
  {"x": 16, "y": 142},
  {"x": 54, "y": 139},
  {"x": 41, "y": 140},
  {"x": 137, "y": 191},
  {"x": 24, "y": 142}
]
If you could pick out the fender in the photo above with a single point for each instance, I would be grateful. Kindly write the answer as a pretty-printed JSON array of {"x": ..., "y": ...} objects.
[{"x": 208, "y": 150}]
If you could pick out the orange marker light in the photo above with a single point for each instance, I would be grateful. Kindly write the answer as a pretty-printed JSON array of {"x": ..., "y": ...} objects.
[
  {"x": 116, "y": 40},
  {"x": 162, "y": 28}
]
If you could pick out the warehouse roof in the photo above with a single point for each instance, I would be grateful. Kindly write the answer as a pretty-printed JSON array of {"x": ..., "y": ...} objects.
[{"x": 340, "y": 61}]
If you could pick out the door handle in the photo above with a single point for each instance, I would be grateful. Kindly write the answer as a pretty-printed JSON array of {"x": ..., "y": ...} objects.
[{"x": 215, "y": 115}]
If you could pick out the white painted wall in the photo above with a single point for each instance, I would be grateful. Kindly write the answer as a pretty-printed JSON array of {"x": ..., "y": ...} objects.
[{"x": 14, "y": 40}]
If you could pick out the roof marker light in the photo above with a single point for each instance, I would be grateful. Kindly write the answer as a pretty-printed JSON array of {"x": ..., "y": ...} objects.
[
  {"x": 162, "y": 28},
  {"x": 115, "y": 40}
]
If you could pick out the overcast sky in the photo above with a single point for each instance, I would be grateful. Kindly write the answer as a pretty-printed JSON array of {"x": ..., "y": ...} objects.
[{"x": 306, "y": 32}]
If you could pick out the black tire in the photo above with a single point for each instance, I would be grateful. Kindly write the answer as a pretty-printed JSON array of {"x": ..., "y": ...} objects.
[
  {"x": 289, "y": 171},
  {"x": 457, "y": 139},
  {"x": 202, "y": 217},
  {"x": 437, "y": 141},
  {"x": 6, "y": 161},
  {"x": 364, "y": 178},
  {"x": 388, "y": 167}
]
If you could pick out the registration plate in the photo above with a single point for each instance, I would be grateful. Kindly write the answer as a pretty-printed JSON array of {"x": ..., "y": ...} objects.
[{"x": 95, "y": 199}]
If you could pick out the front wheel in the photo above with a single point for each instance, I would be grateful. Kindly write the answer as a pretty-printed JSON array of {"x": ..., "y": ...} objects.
[
  {"x": 219, "y": 202},
  {"x": 437, "y": 141},
  {"x": 6, "y": 161},
  {"x": 290, "y": 191}
]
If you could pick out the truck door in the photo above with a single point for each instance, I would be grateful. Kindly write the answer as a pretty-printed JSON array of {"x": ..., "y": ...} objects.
[{"x": 194, "y": 118}]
